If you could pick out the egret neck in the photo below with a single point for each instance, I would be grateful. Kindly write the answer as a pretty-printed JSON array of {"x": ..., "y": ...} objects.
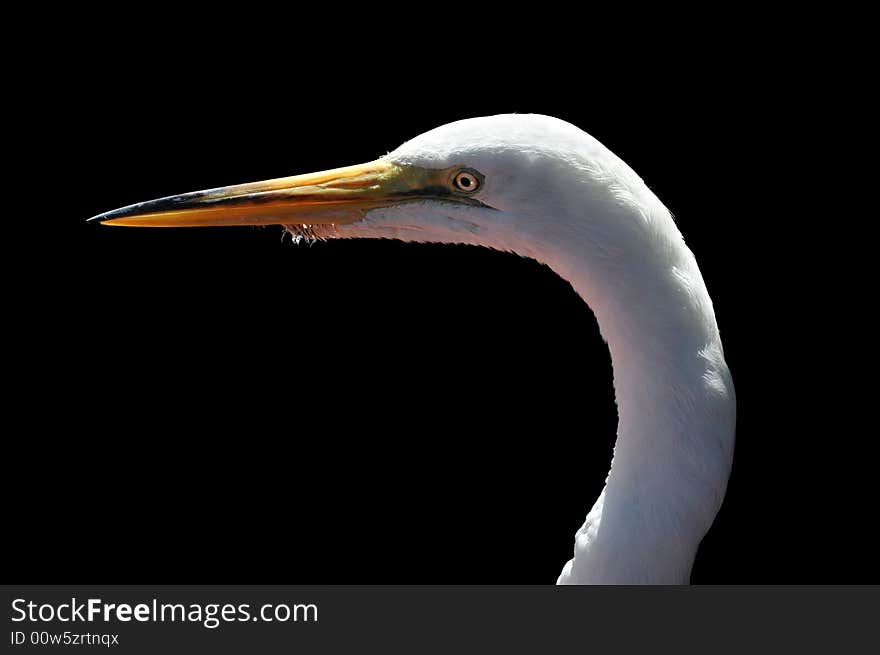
[{"x": 674, "y": 396}]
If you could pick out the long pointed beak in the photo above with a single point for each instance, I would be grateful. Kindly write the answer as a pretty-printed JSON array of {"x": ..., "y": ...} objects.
[{"x": 337, "y": 196}]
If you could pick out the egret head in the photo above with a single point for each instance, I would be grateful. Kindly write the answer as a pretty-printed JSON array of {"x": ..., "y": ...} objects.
[{"x": 489, "y": 181}]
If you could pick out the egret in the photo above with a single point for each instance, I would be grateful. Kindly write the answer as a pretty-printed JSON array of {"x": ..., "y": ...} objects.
[{"x": 542, "y": 188}]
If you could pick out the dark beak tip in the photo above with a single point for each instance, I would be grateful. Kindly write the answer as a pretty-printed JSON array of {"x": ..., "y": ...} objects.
[
  {"x": 115, "y": 213},
  {"x": 108, "y": 216}
]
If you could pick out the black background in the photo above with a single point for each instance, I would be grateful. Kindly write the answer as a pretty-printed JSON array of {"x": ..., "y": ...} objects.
[{"x": 200, "y": 406}]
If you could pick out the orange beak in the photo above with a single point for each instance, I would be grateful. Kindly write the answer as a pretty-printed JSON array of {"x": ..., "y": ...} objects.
[{"x": 330, "y": 197}]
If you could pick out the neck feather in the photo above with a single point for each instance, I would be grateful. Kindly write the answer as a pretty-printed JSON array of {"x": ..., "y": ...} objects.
[{"x": 675, "y": 403}]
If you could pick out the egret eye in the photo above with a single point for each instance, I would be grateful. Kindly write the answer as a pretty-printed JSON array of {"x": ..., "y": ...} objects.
[{"x": 466, "y": 181}]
